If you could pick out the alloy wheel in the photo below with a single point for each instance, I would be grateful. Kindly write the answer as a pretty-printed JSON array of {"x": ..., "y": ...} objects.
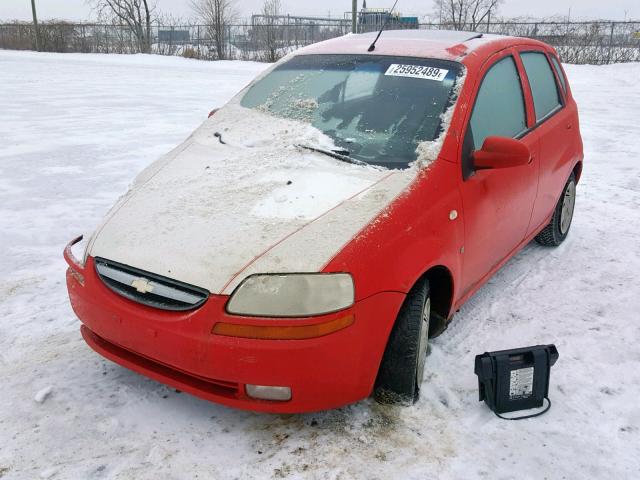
[
  {"x": 423, "y": 341},
  {"x": 568, "y": 204}
]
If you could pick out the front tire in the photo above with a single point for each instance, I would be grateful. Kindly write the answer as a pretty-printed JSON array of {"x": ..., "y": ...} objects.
[
  {"x": 554, "y": 234},
  {"x": 402, "y": 368}
]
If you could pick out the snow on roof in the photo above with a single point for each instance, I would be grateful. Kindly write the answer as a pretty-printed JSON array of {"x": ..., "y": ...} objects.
[
  {"x": 451, "y": 37},
  {"x": 445, "y": 44}
]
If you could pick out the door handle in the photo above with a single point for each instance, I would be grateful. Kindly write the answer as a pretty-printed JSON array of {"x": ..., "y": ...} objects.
[{"x": 569, "y": 126}]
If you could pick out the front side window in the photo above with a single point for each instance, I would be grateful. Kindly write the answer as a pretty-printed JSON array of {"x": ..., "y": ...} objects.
[
  {"x": 499, "y": 109},
  {"x": 546, "y": 97},
  {"x": 376, "y": 108}
]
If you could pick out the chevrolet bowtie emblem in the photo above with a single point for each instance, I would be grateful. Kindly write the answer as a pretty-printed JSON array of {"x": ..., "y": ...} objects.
[{"x": 142, "y": 285}]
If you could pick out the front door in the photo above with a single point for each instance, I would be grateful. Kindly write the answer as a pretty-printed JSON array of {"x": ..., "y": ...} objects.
[{"x": 497, "y": 203}]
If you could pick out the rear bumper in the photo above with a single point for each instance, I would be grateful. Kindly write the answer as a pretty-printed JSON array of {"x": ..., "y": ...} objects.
[{"x": 178, "y": 348}]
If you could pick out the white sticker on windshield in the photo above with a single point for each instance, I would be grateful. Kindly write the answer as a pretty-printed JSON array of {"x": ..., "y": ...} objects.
[{"x": 417, "y": 71}]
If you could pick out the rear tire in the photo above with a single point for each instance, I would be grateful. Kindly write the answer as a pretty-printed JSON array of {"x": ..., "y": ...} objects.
[
  {"x": 402, "y": 368},
  {"x": 554, "y": 234}
]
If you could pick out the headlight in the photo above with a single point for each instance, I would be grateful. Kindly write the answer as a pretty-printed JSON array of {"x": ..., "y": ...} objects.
[{"x": 292, "y": 295}]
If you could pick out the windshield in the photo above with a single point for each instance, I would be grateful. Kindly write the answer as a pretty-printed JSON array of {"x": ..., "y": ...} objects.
[{"x": 377, "y": 109}]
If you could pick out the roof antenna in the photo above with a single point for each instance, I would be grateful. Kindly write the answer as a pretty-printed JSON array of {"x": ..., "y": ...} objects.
[{"x": 372, "y": 47}]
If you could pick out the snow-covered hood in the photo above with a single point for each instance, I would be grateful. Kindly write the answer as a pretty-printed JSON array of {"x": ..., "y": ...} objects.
[{"x": 209, "y": 214}]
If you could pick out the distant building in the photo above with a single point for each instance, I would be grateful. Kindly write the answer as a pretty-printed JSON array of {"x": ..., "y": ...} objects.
[{"x": 373, "y": 19}]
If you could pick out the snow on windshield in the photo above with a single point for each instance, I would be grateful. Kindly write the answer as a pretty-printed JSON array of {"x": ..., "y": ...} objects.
[
  {"x": 429, "y": 150},
  {"x": 377, "y": 108}
]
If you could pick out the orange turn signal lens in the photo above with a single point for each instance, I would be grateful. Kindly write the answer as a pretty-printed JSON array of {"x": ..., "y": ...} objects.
[{"x": 295, "y": 332}]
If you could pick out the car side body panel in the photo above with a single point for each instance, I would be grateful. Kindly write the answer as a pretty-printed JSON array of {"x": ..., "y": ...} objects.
[{"x": 559, "y": 155}]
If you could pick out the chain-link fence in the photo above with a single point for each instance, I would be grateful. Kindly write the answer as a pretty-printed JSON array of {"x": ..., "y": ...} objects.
[
  {"x": 576, "y": 42},
  {"x": 582, "y": 42}
]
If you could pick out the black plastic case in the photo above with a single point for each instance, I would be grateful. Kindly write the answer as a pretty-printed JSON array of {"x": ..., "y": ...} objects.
[{"x": 518, "y": 379}]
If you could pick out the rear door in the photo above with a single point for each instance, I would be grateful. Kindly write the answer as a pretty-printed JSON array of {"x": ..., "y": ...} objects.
[
  {"x": 497, "y": 203},
  {"x": 556, "y": 127}
]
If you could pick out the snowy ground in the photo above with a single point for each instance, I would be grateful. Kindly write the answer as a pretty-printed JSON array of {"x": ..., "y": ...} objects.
[{"x": 75, "y": 129}]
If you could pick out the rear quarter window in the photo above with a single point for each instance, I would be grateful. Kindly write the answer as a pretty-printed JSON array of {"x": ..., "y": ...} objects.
[
  {"x": 561, "y": 76},
  {"x": 544, "y": 89}
]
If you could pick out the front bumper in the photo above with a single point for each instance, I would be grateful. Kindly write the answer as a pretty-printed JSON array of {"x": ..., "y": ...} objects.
[{"x": 178, "y": 348}]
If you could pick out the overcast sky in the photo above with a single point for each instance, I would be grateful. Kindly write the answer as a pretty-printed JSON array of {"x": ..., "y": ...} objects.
[{"x": 580, "y": 9}]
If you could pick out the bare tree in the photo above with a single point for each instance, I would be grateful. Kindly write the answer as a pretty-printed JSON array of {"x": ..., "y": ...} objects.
[
  {"x": 271, "y": 9},
  {"x": 466, "y": 14},
  {"x": 217, "y": 15},
  {"x": 134, "y": 14}
]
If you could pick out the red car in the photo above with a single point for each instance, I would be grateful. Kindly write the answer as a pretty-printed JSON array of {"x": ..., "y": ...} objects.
[{"x": 298, "y": 249}]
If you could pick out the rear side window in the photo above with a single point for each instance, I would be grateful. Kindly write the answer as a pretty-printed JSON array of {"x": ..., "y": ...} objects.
[
  {"x": 563, "y": 80},
  {"x": 546, "y": 97},
  {"x": 499, "y": 108}
]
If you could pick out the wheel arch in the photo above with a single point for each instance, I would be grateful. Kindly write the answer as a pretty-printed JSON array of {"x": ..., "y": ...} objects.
[
  {"x": 386, "y": 388},
  {"x": 441, "y": 288},
  {"x": 577, "y": 171}
]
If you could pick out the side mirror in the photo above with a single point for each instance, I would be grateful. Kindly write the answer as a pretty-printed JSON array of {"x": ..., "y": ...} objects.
[{"x": 501, "y": 152}]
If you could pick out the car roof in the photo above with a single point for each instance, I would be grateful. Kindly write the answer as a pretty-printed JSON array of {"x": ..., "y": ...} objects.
[{"x": 441, "y": 44}]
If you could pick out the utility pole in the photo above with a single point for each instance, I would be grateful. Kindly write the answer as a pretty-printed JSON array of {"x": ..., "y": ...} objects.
[
  {"x": 35, "y": 24},
  {"x": 354, "y": 16}
]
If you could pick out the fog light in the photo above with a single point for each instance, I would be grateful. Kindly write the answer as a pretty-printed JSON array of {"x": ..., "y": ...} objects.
[
  {"x": 518, "y": 379},
  {"x": 265, "y": 392}
]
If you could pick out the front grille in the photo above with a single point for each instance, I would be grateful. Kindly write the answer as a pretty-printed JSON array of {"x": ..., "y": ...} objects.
[{"x": 148, "y": 288}]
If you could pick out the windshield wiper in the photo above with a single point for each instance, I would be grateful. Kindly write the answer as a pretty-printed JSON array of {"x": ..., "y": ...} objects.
[{"x": 340, "y": 154}]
